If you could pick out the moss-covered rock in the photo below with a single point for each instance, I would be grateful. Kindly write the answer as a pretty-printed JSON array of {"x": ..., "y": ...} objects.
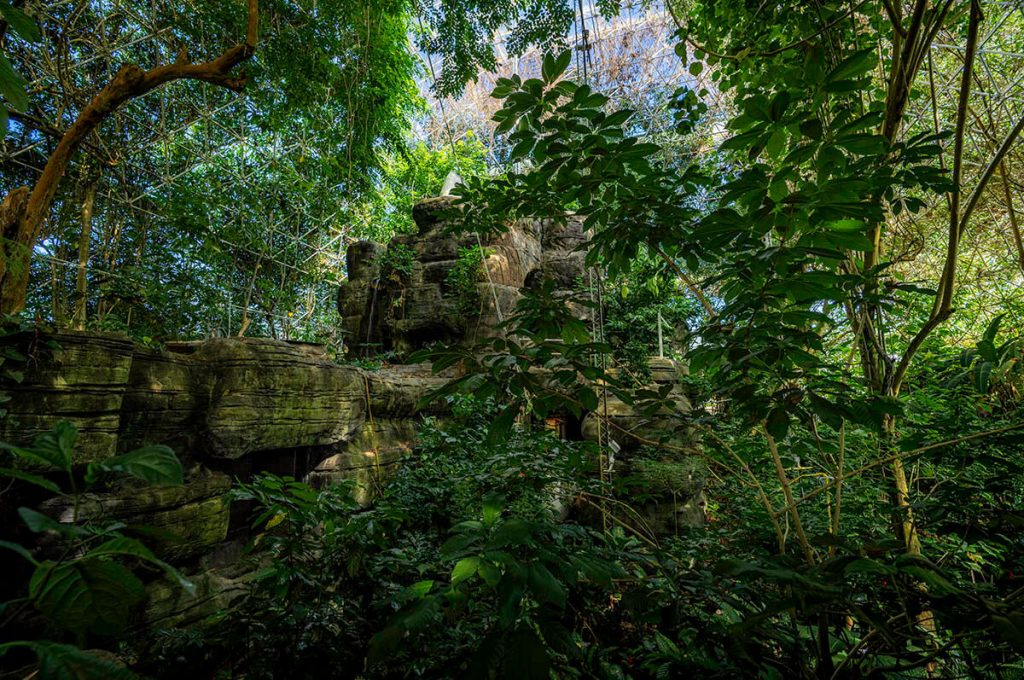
[
  {"x": 426, "y": 305},
  {"x": 259, "y": 394},
  {"x": 77, "y": 377},
  {"x": 181, "y": 522},
  {"x": 160, "y": 402}
]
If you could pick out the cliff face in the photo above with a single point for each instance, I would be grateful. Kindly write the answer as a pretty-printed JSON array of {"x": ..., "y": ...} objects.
[
  {"x": 415, "y": 292},
  {"x": 228, "y": 407}
]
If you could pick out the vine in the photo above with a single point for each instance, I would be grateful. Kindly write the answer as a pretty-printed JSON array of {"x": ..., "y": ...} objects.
[{"x": 463, "y": 278}]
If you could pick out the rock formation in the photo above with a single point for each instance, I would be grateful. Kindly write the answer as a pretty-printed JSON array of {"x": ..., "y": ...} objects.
[
  {"x": 235, "y": 407},
  {"x": 404, "y": 297},
  {"x": 228, "y": 407},
  {"x": 400, "y": 298}
]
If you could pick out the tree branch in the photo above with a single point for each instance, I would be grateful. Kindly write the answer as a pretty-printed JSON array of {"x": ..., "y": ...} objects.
[
  {"x": 697, "y": 292},
  {"x": 897, "y": 23},
  {"x": 990, "y": 170},
  {"x": 51, "y": 131},
  {"x": 947, "y": 282},
  {"x": 129, "y": 83}
]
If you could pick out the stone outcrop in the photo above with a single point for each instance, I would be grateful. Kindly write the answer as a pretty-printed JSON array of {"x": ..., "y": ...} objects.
[
  {"x": 217, "y": 400},
  {"x": 400, "y": 298},
  {"x": 403, "y": 298},
  {"x": 77, "y": 377},
  {"x": 257, "y": 395},
  {"x": 182, "y": 522},
  {"x": 228, "y": 407},
  {"x": 631, "y": 429},
  {"x": 393, "y": 398}
]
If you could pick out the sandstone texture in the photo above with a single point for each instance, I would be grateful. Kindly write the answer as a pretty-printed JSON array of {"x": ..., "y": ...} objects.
[
  {"x": 387, "y": 309},
  {"x": 77, "y": 377}
]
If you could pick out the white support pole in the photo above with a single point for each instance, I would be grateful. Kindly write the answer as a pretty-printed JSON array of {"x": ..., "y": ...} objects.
[{"x": 661, "y": 341}]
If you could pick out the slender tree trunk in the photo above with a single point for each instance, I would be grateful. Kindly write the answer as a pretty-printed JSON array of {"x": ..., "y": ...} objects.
[
  {"x": 84, "y": 244},
  {"x": 246, "y": 319}
]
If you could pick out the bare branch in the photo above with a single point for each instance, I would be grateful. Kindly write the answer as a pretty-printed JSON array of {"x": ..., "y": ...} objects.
[
  {"x": 947, "y": 282},
  {"x": 129, "y": 83}
]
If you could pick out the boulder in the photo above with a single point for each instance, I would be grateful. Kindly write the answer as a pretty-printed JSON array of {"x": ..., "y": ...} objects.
[
  {"x": 660, "y": 453},
  {"x": 170, "y": 606},
  {"x": 72, "y": 376},
  {"x": 259, "y": 394},
  {"x": 632, "y": 429}
]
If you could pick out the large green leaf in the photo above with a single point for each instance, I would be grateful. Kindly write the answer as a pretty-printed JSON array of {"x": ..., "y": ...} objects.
[
  {"x": 154, "y": 464},
  {"x": 28, "y": 476},
  {"x": 123, "y": 545},
  {"x": 465, "y": 568},
  {"x": 38, "y": 523},
  {"x": 544, "y": 586},
  {"x": 857, "y": 64},
  {"x": 19, "y": 549},
  {"x": 777, "y": 422},
  {"x": 553, "y": 67},
  {"x": 12, "y": 85},
  {"x": 21, "y": 23},
  {"x": 53, "y": 449},
  {"x": 88, "y": 595},
  {"x": 1011, "y": 628}
]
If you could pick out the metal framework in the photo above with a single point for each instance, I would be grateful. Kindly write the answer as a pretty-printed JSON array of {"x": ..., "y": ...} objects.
[
  {"x": 187, "y": 129},
  {"x": 174, "y": 136}
]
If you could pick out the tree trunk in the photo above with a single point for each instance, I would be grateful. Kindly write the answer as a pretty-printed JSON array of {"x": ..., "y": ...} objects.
[
  {"x": 84, "y": 242},
  {"x": 25, "y": 209}
]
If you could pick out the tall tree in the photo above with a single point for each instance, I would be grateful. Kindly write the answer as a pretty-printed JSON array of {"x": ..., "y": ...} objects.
[{"x": 24, "y": 210}]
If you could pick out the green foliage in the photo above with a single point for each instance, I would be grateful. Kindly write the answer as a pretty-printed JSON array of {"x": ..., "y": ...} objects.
[
  {"x": 465, "y": 32},
  {"x": 12, "y": 83},
  {"x": 396, "y": 263},
  {"x": 787, "y": 235},
  {"x": 866, "y": 472},
  {"x": 54, "y": 451},
  {"x": 408, "y": 176},
  {"x": 85, "y": 584},
  {"x": 463, "y": 279},
  {"x": 462, "y": 564},
  {"x": 634, "y": 303},
  {"x": 993, "y": 369}
]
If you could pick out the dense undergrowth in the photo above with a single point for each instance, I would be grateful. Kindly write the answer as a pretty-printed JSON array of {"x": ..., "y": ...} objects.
[
  {"x": 507, "y": 557},
  {"x": 466, "y": 568}
]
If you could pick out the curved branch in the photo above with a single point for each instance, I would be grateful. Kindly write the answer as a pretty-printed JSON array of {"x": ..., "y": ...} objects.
[
  {"x": 129, "y": 83},
  {"x": 947, "y": 282},
  {"x": 990, "y": 170},
  {"x": 697, "y": 292}
]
